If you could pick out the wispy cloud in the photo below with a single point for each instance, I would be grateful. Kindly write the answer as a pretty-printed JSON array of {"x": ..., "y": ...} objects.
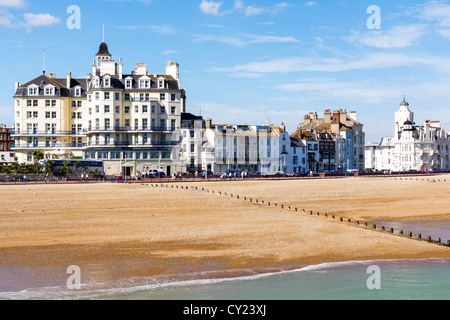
[
  {"x": 243, "y": 40},
  {"x": 170, "y": 52},
  {"x": 313, "y": 64},
  {"x": 254, "y": 10},
  {"x": 397, "y": 37},
  {"x": 7, "y": 20},
  {"x": 436, "y": 14},
  {"x": 164, "y": 29},
  {"x": 311, "y": 4},
  {"x": 214, "y": 8},
  {"x": 369, "y": 91}
]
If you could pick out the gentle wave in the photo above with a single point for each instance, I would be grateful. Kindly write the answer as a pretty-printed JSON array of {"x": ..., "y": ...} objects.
[{"x": 128, "y": 286}]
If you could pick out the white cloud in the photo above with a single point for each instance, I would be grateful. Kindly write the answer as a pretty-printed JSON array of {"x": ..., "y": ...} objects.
[
  {"x": 243, "y": 40},
  {"x": 251, "y": 11},
  {"x": 39, "y": 20},
  {"x": 239, "y": 5},
  {"x": 433, "y": 11},
  {"x": 306, "y": 64},
  {"x": 444, "y": 33},
  {"x": 273, "y": 39},
  {"x": 17, "y": 4},
  {"x": 6, "y": 19},
  {"x": 234, "y": 41},
  {"x": 397, "y": 37},
  {"x": 170, "y": 52},
  {"x": 436, "y": 13},
  {"x": 311, "y": 4},
  {"x": 211, "y": 7},
  {"x": 163, "y": 29},
  {"x": 368, "y": 91}
]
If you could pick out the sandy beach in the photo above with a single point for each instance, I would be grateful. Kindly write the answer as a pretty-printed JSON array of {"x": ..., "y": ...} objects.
[{"x": 119, "y": 231}]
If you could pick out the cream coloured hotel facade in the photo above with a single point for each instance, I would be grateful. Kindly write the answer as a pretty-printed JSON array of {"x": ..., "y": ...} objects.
[{"x": 130, "y": 121}]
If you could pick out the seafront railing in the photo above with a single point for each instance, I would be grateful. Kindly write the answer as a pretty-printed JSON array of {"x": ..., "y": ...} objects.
[{"x": 41, "y": 179}]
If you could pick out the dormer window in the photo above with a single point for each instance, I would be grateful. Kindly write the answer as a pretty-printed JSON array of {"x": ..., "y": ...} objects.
[
  {"x": 49, "y": 91},
  {"x": 161, "y": 83},
  {"x": 77, "y": 92},
  {"x": 128, "y": 83},
  {"x": 106, "y": 82},
  {"x": 33, "y": 91},
  {"x": 97, "y": 82},
  {"x": 144, "y": 83}
]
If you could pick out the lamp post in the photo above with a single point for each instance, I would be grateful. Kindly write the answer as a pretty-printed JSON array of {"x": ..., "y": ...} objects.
[{"x": 159, "y": 165}]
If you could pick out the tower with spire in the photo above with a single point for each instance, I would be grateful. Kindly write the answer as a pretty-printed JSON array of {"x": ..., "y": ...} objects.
[
  {"x": 403, "y": 117},
  {"x": 103, "y": 63}
]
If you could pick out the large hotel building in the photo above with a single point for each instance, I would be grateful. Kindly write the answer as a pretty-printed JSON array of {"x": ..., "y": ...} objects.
[{"x": 130, "y": 121}]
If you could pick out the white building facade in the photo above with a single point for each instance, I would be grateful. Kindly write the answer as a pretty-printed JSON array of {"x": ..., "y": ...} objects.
[
  {"x": 413, "y": 147},
  {"x": 222, "y": 148},
  {"x": 131, "y": 122}
]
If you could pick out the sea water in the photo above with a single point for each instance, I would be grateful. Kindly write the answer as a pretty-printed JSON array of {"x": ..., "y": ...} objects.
[
  {"x": 412, "y": 279},
  {"x": 398, "y": 279}
]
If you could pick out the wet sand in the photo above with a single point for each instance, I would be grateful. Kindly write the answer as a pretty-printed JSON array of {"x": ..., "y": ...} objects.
[{"x": 120, "y": 231}]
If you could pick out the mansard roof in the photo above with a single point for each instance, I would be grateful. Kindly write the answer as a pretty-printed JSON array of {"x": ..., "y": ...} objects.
[{"x": 61, "y": 89}]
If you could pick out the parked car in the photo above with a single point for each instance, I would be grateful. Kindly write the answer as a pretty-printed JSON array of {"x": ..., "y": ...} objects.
[{"x": 155, "y": 174}]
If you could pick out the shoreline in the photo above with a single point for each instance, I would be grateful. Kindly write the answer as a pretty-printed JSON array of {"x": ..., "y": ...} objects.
[{"x": 120, "y": 288}]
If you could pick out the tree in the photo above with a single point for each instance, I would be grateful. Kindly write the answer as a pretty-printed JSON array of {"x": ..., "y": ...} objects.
[
  {"x": 38, "y": 155},
  {"x": 77, "y": 165},
  {"x": 48, "y": 166},
  {"x": 66, "y": 165}
]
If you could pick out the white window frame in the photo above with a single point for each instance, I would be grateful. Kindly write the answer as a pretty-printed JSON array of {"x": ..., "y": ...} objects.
[
  {"x": 144, "y": 82},
  {"x": 107, "y": 82},
  {"x": 128, "y": 83},
  {"x": 49, "y": 90},
  {"x": 161, "y": 83},
  {"x": 33, "y": 90}
]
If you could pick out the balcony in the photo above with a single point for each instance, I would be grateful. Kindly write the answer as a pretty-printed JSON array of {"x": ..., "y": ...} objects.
[
  {"x": 149, "y": 144},
  {"x": 131, "y": 129},
  {"x": 49, "y": 145},
  {"x": 28, "y": 133}
]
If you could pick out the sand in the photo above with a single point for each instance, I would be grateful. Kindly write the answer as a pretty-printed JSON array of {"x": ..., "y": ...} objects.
[{"x": 118, "y": 231}]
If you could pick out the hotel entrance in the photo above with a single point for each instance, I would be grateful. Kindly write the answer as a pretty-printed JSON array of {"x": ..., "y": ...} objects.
[{"x": 127, "y": 171}]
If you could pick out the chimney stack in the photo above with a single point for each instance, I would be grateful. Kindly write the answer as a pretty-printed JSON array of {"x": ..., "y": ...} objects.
[
  {"x": 120, "y": 69},
  {"x": 173, "y": 69},
  {"x": 327, "y": 116},
  {"x": 69, "y": 80},
  {"x": 141, "y": 69}
]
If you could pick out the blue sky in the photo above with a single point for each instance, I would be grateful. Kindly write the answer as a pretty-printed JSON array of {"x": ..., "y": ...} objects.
[{"x": 249, "y": 62}]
